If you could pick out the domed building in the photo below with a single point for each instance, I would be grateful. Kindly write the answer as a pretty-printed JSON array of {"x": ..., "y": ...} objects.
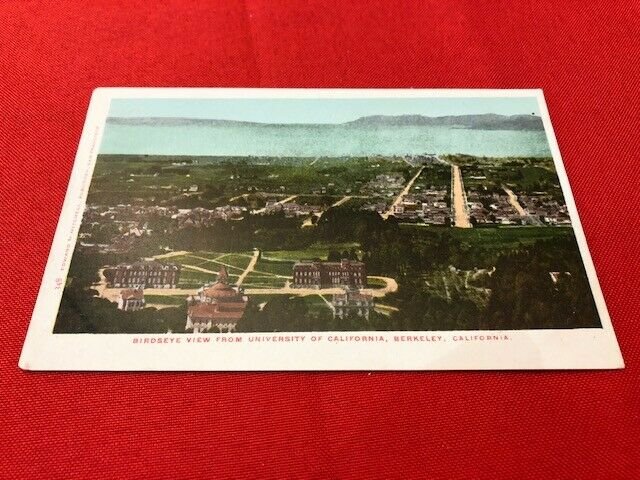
[{"x": 216, "y": 306}]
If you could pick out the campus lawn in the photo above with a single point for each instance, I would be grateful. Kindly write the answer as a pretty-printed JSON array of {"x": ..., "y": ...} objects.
[
  {"x": 316, "y": 302},
  {"x": 375, "y": 283},
  {"x": 275, "y": 267},
  {"x": 165, "y": 300},
  {"x": 255, "y": 280},
  {"x": 237, "y": 261},
  {"x": 190, "y": 278}
]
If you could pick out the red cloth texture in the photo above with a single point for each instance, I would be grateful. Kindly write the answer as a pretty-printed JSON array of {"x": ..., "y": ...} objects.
[{"x": 585, "y": 55}]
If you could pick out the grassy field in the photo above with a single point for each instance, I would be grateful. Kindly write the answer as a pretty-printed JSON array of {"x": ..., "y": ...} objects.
[
  {"x": 165, "y": 300},
  {"x": 315, "y": 302},
  {"x": 275, "y": 267},
  {"x": 375, "y": 283},
  {"x": 505, "y": 236},
  {"x": 191, "y": 279},
  {"x": 257, "y": 280},
  {"x": 236, "y": 263},
  {"x": 495, "y": 237},
  {"x": 317, "y": 250}
]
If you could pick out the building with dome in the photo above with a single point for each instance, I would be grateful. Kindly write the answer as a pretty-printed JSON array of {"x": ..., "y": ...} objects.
[{"x": 216, "y": 307}]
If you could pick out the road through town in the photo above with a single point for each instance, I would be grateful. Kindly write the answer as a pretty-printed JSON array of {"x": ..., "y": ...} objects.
[
  {"x": 460, "y": 210},
  {"x": 404, "y": 192}
]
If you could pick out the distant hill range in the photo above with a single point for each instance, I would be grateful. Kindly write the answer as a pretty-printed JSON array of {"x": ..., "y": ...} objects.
[{"x": 487, "y": 121}]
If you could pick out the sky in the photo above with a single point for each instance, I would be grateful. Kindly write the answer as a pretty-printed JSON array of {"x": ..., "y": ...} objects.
[{"x": 310, "y": 110}]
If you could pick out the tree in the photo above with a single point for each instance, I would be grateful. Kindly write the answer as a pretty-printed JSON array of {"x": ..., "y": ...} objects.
[{"x": 334, "y": 256}]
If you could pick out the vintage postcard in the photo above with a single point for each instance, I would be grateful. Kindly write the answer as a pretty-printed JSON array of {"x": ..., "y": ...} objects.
[{"x": 305, "y": 229}]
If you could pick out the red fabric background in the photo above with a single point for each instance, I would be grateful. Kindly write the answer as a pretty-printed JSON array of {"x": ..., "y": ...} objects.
[{"x": 324, "y": 425}]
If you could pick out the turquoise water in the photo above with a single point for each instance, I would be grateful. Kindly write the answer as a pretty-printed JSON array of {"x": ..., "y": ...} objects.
[{"x": 319, "y": 140}]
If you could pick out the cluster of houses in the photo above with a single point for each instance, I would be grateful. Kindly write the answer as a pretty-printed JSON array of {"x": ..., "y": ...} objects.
[
  {"x": 127, "y": 223},
  {"x": 500, "y": 210},
  {"x": 125, "y": 213},
  {"x": 422, "y": 159},
  {"x": 429, "y": 206},
  {"x": 385, "y": 185},
  {"x": 497, "y": 209},
  {"x": 204, "y": 217},
  {"x": 292, "y": 209},
  {"x": 544, "y": 208}
]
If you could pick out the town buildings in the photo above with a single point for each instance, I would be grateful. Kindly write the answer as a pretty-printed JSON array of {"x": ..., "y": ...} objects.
[
  {"x": 429, "y": 206},
  {"x": 318, "y": 274},
  {"x": 217, "y": 306},
  {"x": 545, "y": 209},
  {"x": 145, "y": 274},
  {"x": 131, "y": 300},
  {"x": 291, "y": 209}
]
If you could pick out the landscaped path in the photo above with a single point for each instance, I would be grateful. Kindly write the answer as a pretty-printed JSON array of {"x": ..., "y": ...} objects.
[
  {"x": 385, "y": 309},
  {"x": 212, "y": 260},
  {"x": 244, "y": 195},
  {"x": 343, "y": 200},
  {"x": 460, "y": 208},
  {"x": 198, "y": 269},
  {"x": 250, "y": 267},
  {"x": 404, "y": 192},
  {"x": 331, "y": 307},
  {"x": 216, "y": 260}
]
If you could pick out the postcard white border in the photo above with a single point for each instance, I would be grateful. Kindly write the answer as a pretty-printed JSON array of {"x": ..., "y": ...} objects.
[{"x": 589, "y": 348}]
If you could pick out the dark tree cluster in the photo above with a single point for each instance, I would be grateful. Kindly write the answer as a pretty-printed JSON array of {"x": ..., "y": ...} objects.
[
  {"x": 525, "y": 295},
  {"x": 292, "y": 314}
]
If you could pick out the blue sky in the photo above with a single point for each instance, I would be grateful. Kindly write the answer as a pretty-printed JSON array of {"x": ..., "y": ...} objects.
[{"x": 325, "y": 110}]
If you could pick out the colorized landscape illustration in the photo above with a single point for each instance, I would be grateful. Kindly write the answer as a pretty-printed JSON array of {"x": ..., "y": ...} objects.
[{"x": 300, "y": 215}]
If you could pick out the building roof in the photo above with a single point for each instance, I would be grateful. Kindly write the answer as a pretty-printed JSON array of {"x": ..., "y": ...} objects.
[
  {"x": 209, "y": 311},
  {"x": 132, "y": 294},
  {"x": 219, "y": 290},
  {"x": 324, "y": 264},
  {"x": 149, "y": 264}
]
